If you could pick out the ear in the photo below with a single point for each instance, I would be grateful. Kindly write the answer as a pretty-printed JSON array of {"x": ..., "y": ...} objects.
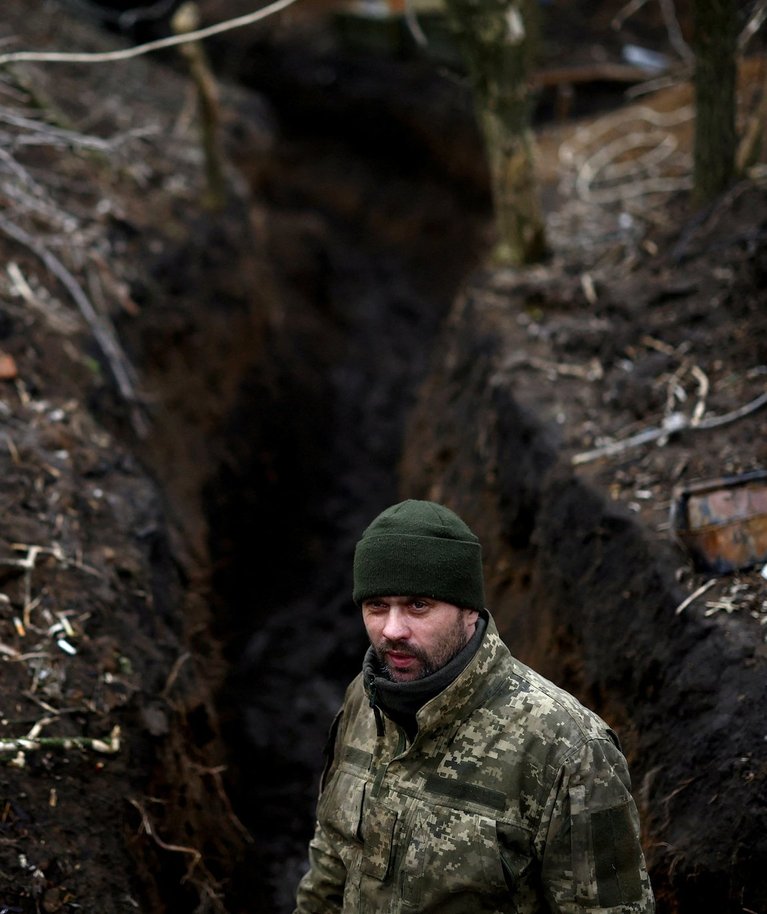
[{"x": 470, "y": 620}]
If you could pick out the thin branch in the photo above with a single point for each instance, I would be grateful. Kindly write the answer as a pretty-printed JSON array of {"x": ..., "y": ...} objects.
[
  {"x": 703, "y": 388},
  {"x": 668, "y": 12},
  {"x": 675, "y": 37},
  {"x": 671, "y": 424},
  {"x": 60, "y": 136},
  {"x": 141, "y": 49},
  {"x": 413, "y": 25},
  {"x": 593, "y": 371},
  {"x": 28, "y": 564},
  {"x": 694, "y": 596},
  {"x": 676, "y": 422},
  {"x": 752, "y": 26},
  {"x": 109, "y": 746},
  {"x": 173, "y": 675},
  {"x": 628, "y": 10},
  {"x": 32, "y": 203},
  {"x": 726, "y": 418},
  {"x": 59, "y": 318},
  {"x": 149, "y": 828},
  {"x": 21, "y": 173},
  {"x": 681, "y": 74},
  {"x": 215, "y": 773}
]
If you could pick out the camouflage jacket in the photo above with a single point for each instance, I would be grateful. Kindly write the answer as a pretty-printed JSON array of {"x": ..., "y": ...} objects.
[{"x": 512, "y": 797}]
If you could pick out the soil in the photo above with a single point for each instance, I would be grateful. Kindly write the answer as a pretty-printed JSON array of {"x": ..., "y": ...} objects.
[{"x": 186, "y": 467}]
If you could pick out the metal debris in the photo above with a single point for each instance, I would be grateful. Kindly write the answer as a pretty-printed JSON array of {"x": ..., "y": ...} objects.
[{"x": 723, "y": 522}]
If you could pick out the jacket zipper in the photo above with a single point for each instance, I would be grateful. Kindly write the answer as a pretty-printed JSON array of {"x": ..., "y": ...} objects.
[
  {"x": 380, "y": 731},
  {"x": 374, "y": 706}
]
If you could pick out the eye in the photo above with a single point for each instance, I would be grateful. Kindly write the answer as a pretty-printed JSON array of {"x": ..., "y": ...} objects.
[{"x": 420, "y": 605}]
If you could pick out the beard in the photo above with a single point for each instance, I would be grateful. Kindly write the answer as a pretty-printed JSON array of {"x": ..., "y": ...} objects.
[{"x": 453, "y": 642}]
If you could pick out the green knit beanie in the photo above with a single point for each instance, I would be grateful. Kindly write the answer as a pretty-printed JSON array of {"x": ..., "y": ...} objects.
[{"x": 419, "y": 548}]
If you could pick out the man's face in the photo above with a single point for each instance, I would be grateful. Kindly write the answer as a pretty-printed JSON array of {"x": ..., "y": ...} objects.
[{"x": 416, "y": 636}]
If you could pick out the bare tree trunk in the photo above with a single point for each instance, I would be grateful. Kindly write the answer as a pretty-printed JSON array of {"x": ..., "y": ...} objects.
[
  {"x": 497, "y": 39},
  {"x": 715, "y": 43}
]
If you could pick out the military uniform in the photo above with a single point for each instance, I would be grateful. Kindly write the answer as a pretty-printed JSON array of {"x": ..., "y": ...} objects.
[{"x": 511, "y": 798}]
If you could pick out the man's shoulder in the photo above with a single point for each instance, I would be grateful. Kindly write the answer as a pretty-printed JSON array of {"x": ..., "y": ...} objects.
[
  {"x": 355, "y": 693},
  {"x": 528, "y": 700}
]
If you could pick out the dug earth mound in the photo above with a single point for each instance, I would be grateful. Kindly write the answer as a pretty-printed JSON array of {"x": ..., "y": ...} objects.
[{"x": 188, "y": 462}]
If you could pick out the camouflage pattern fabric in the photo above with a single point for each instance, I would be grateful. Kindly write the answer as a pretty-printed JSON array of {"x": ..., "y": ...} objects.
[{"x": 512, "y": 799}]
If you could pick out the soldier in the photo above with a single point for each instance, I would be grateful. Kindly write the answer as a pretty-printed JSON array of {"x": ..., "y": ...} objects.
[{"x": 458, "y": 780}]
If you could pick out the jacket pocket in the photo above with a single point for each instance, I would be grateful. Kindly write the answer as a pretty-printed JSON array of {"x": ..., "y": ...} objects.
[
  {"x": 379, "y": 824},
  {"x": 516, "y": 853},
  {"x": 452, "y": 851},
  {"x": 340, "y": 809}
]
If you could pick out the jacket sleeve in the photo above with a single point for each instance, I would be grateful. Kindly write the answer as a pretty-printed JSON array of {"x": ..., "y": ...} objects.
[
  {"x": 321, "y": 889},
  {"x": 588, "y": 840}
]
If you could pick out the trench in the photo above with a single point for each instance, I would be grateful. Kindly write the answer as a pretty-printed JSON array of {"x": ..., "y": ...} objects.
[
  {"x": 373, "y": 223},
  {"x": 370, "y": 245}
]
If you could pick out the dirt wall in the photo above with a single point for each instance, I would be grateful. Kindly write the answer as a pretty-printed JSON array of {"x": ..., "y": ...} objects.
[{"x": 587, "y": 595}]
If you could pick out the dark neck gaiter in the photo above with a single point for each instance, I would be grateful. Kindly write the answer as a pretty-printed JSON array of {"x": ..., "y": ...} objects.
[{"x": 402, "y": 700}]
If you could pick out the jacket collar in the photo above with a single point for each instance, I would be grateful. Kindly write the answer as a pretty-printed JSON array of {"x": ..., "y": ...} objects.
[
  {"x": 457, "y": 687},
  {"x": 471, "y": 687}
]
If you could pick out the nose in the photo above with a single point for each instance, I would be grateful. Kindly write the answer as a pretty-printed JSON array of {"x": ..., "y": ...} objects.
[{"x": 396, "y": 627}]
